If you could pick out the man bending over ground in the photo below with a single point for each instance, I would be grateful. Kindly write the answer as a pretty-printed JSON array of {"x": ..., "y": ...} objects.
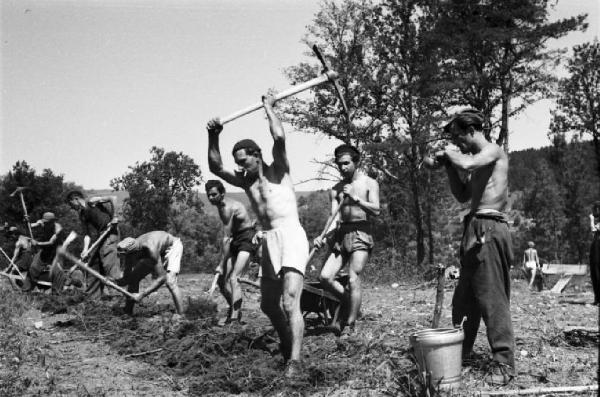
[
  {"x": 285, "y": 248},
  {"x": 155, "y": 252}
]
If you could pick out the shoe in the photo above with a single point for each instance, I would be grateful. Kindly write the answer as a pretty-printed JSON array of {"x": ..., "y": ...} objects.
[
  {"x": 348, "y": 330},
  {"x": 293, "y": 369},
  {"x": 334, "y": 329},
  {"x": 499, "y": 374}
]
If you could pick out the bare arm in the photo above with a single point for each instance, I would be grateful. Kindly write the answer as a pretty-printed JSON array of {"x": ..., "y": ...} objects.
[
  {"x": 371, "y": 205},
  {"x": 57, "y": 230},
  {"x": 215, "y": 163},
  {"x": 488, "y": 155},
  {"x": 280, "y": 160},
  {"x": 460, "y": 190},
  {"x": 106, "y": 199},
  {"x": 17, "y": 251}
]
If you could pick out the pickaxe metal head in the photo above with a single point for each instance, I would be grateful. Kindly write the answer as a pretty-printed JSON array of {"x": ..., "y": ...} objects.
[
  {"x": 336, "y": 85},
  {"x": 18, "y": 190}
]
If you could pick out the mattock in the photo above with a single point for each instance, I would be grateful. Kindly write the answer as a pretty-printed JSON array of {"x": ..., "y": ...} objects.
[
  {"x": 327, "y": 75},
  {"x": 336, "y": 84},
  {"x": 20, "y": 190}
]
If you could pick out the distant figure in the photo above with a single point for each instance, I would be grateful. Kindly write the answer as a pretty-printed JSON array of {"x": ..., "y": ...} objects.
[
  {"x": 595, "y": 251},
  {"x": 531, "y": 262},
  {"x": 157, "y": 253},
  {"x": 238, "y": 248},
  {"x": 23, "y": 252},
  {"x": 50, "y": 229}
]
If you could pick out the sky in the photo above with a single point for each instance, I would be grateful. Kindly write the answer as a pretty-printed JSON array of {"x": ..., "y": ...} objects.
[{"x": 89, "y": 86}]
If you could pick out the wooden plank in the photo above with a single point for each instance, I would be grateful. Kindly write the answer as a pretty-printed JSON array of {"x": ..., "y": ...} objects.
[
  {"x": 560, "y": 268},
  {"x": 561, "y": 284}
]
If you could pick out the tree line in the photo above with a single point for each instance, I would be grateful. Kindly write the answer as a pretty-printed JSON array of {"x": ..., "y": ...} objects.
[{"x": 405, "y": 65}]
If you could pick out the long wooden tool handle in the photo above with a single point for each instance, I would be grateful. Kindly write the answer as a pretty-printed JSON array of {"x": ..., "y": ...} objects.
[
  {"x": 94, "y": 273},
  {"x": 325, "y": 229},
  {"x": 26, "y": 215},
  {"x": 330, "y": 75},
  {"x": 92, "y": 250},
  {"x": 12, "y": 264},
  {"x": 213, "y": 285}
]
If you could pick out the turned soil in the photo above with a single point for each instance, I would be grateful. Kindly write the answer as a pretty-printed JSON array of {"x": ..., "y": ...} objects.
[{"x": 65, "y": 345}]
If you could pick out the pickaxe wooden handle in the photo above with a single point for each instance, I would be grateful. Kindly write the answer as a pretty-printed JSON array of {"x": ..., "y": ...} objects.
[
  {"x": 324, "y": 232},
  {"x": 92, "y": 250},
  {"x": 61, "y": 251},
  {"x": 19, "y": 190},
  {"x": 330, "y": 75},
  {"x": 12, "y": 264}
]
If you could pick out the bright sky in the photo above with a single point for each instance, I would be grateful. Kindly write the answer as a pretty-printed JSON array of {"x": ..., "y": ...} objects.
[{"x": 88, "y": 86}]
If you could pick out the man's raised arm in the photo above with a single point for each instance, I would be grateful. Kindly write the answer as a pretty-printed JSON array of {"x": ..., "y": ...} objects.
[
  {"x": 279, "y": 153},
  {"x": 215, "y": 163}
]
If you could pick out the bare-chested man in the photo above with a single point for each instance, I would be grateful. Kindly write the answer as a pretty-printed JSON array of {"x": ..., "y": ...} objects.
[
  {"x": 531, "y": 262},
  {"x": 239, "y": 231},
  {"x": 352, "y": 240},
  {"x": 479, "y": 173},
  {"x": 285, "y": 248},
  {"x": 157, "y": 253}
]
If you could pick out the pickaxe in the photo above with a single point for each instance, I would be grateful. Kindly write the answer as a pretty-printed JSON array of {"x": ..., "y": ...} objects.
[
  {"x": 63, "y": 252},
  {"x": 336, "y": 85},
  {"x": 327, "y": 75},
  {"x": 20, "y": 190}
]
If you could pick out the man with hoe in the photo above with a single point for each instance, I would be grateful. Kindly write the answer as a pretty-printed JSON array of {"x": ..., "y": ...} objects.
[
  {"x": 479, "y": 173},
  {"x": 237, "y": 249},
  {"x": 157, "y": 253},
  {"x": 49, "y": 233},
  {"x": 285, "y": 247},
  {"x": 351, "y": 242},
  {"x": 96, "y": 218}
]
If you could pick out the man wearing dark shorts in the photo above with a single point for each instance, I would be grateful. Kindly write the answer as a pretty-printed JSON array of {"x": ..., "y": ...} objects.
[
  {"x": 237, "y": 249},
  {"x": 479, "y": 173},
  {"x": 95, "y": 218},
  {"x": 352, "y": 241}
]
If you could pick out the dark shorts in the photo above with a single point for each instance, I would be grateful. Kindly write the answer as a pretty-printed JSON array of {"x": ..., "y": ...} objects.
[
  {"x": 350, "y": 237},
  {"x": 242, "y": 241}
]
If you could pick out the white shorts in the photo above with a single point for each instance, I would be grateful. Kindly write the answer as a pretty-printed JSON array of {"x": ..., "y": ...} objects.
[
  {"x": 173, "y": 257},
  {"x": 530, "y": 265},
  {"x": 285, "y": 246}
]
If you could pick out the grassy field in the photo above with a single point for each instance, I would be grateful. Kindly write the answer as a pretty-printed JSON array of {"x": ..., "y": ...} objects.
[{"x": 67, "y": 346}]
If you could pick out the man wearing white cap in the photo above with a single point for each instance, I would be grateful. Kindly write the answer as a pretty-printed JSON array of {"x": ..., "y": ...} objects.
[
  {"x": 157, "y": 253},
  {"x": 50, "y": 230}
]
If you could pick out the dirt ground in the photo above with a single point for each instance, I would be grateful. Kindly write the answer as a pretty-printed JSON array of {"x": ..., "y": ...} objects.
[{"x": 66, "y": 346}]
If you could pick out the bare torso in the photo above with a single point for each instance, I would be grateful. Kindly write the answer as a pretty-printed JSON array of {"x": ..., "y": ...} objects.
[
  {"x": 353, "y": 212},
  {"x": 489, "y": 185},
  {"x": 234, "y": 212},
  {"x": 273, "y": 198},
  {"x": 154, "y": 245},
  {"x": 530, "y": 255}
]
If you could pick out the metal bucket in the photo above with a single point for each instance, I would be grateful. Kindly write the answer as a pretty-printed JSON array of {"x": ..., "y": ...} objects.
[{"x": 439, "y": 352}]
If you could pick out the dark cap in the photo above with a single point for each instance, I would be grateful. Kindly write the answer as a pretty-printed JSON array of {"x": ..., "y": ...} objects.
[
  {"x": 246, "y": 144},
  {"x": 465, "y": 119},
  {"x": 73, "y": 193},
  {"x": 347, "y": 149}
]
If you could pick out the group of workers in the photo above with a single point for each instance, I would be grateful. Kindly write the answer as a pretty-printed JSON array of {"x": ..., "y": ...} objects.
[{"x": 477, "y": 172}]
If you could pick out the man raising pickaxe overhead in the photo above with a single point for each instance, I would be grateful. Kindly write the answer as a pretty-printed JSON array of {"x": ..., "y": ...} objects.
[
  {"x": 95, "y": 218},
  {"x": 327, "y": 75}
]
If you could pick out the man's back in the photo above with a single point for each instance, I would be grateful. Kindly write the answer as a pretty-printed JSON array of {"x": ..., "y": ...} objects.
[{"x": 156, "y": 243}]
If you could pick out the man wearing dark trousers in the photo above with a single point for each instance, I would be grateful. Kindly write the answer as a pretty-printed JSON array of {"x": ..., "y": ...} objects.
[{"x": 479, "y": 173}]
